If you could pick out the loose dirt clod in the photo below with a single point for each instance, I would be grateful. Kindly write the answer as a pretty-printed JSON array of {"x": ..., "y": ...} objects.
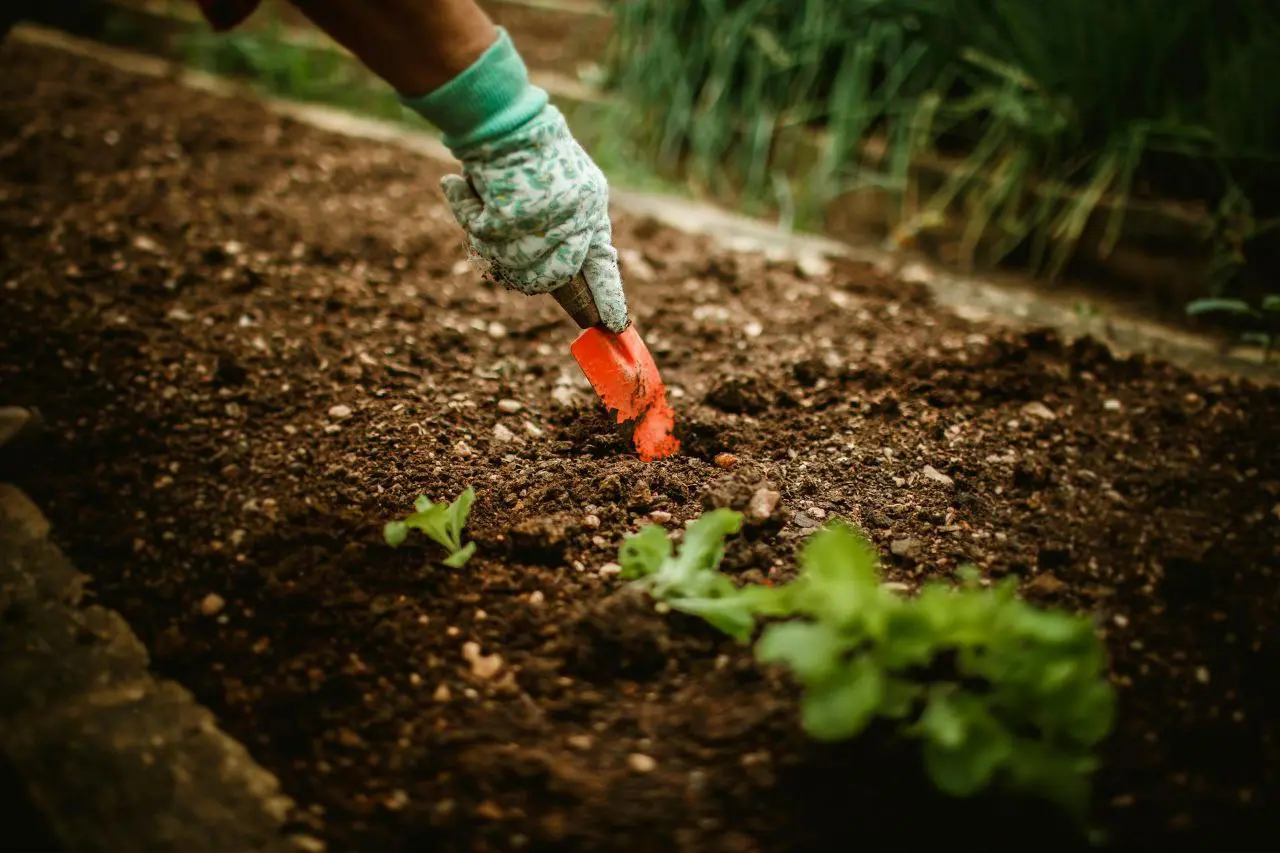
[
  {"x": 482, "y": 666},
  {"x": 212, "y": 604}
]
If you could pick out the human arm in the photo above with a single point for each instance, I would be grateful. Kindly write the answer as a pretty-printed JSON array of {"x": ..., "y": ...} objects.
[{"x": 533, "y": 203}]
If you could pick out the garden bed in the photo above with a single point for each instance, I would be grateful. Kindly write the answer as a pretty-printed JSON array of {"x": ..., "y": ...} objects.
[{"x": 255, "y": 343}]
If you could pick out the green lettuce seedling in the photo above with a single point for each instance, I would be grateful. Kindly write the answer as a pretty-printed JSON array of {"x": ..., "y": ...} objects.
[
  {"x": 997, "y": 690},
  {"x": 688, "y": 579},
  {"x": 442, "y": 522}
]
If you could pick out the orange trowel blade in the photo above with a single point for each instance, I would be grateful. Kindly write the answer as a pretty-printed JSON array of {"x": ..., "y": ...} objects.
[{"x": 621, "y": 370}]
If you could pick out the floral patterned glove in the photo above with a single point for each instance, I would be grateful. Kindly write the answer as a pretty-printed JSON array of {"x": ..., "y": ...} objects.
[{"x": 534, "y": 206}]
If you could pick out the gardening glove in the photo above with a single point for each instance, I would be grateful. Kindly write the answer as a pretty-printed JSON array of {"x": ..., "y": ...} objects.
[{"x": 533, "y": 204}]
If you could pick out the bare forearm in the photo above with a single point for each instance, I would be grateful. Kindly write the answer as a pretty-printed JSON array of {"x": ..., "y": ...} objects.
[{"x": 415, "y": 45}]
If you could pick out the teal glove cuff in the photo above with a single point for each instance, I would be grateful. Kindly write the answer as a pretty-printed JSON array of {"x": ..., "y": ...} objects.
[{"x": 489, "y": 100}]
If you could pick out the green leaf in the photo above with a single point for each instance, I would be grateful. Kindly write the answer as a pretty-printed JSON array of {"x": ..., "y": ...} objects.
[
  {"x": 433, "y": 521},
  {"x": 839, "y": 569},
  {"x": 395, "y": 532},
  {"x": 732, "y": 614},
  {"x": 842, "y": 705},
  {"x": 1059, "y": 776},
  {"x": 942, "y": 722},
  {"x": 442, "y": 523},
  {"x": 900, "y": 697},
  {"x": 643, "y": 553},
  {"x": 1271, "y": 302},
  {"x": 702, "y": 548},
  {"x": 1221, "y": 306},
  {"x": 910, "y": 639},
  {"x": 459, "y": 558},
  {"x": 1046, "y": 626},
  {"x": 456, "y": 518},
  {"x": 1093, "y": 712},
  {"x": 812, "y": 650},
  {"x": 964, "y": 766},
  {"x": 769, "y": 600}
]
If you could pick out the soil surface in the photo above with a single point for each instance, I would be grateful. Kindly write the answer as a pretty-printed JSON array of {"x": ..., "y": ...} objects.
[{"x": 255, "y": 343}]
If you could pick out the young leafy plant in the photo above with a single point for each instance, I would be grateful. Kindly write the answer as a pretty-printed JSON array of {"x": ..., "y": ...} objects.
[
  {"x": 997, "y": 690},
  {"x": 688, "y": 579},
  {"x": 443, "y": 524}
]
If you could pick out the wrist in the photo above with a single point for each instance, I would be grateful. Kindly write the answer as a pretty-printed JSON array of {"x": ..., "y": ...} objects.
[{"x": 490, "y": 99}]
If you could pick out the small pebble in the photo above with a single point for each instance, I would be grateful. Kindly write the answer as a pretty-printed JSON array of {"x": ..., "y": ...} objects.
[
  {"x": 339, "y": 412},
  {"x": 727, "y": 461},
  {"x": 536, "y": 597},
  {"x": 1039, "y": 411},
  {"x": 583, "y": 742},
  {"x": 482, "y": 666},
  {"x": 497, "y": 330},
  {"x": 533, "y": 429},
  {"x": 937, "y": 476},
  {"x": 762, "y": 505},
  {"x": 610, "y": 569},
  {"x": 660, "y": 516},
  {"x": 906, "y": 548},
  {"x": 510, "y": 406},
  {"x": 1112, "y": 405},
  {"x": 463, "y": 449},
  {"x": 641, "y": 763},
  {"x": 502, "y": 433},
  {"x": 591, "y": 521},
  {"x": 803, "y": 519},
  {"x": 212, "y": 604},
  {"x": 442, "y": 694}
]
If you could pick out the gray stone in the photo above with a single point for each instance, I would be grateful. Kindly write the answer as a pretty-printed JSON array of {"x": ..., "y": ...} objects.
[
  {"x": 146, "y": 769},
  {"x": 937, "y": 476},
  {"x": 908, "y": 549},
  {"x": 34, "y": 572},
  {"x": 54, "y": 654},
  {"x": 107, "y": 757}
]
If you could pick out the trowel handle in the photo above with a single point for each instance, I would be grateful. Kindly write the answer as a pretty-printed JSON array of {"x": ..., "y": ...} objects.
[{"x": 576, "y": 299}]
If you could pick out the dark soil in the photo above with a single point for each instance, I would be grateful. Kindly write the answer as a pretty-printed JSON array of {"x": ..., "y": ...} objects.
[{"x": 192, "y": 285}]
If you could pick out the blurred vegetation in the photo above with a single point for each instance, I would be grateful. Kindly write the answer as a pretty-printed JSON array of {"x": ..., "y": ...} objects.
[
  {"x": 275, "y": 61},
  {"x": 1059, "y": 114}
]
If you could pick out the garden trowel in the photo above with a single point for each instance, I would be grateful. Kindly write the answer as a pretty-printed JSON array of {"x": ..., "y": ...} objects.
[{"x": 621, "y": 370}]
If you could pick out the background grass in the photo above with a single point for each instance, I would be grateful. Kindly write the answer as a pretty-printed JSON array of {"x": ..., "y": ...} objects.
[{"x": 1053, "y": 109}]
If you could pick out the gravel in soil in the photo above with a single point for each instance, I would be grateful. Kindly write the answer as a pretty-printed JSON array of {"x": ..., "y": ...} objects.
[{"x": 254, "y": 343}]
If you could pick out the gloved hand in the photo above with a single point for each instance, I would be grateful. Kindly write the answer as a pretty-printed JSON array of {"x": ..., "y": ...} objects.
[{"x": 534, "y": 206}]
